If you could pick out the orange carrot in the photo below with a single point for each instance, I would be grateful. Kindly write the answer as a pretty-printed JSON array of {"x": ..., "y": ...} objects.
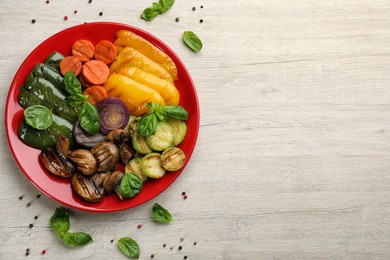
[
  {"x": 95, "y": 93},
  {"x": 83, "y": 49},
  {"x": 70, "y": 63},
  {"x": 95, "y": 72},
  {"x": 105, "y": 51},
  {"x": 83, "y": 82}
]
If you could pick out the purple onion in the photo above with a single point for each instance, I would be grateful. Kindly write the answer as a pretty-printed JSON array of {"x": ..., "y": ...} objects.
[{"x": 113, "y": 113}]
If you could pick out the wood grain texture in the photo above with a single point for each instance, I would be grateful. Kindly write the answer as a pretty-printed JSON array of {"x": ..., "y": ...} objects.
[{"x": 292, "y": 160}]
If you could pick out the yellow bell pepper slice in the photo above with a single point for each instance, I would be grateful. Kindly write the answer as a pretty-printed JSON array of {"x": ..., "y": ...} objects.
[
  {"x": 134, "y": 94},
  {"x": 127, "y": 38},
  {"x": 167, "y": 90},
  {"x": 132, "y": 57}
]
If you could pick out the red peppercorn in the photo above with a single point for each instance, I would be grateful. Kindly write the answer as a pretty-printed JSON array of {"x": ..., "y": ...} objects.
[
  {"x": 65, "y": 17},
  {"x": 139, "y": 226},
  {"x": 43, "y": 252},
  {"x": 75, "y": 11},
  {"x": 185, "y": 197},
  {"x": 47, "y": 1}
]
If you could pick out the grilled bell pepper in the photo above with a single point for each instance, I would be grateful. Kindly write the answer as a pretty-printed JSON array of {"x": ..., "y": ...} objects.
[
  {"x": 125, "y": 38},
  {"x": 167, "y": 90},
  {"x": 47, "y": 137},
  {"x": 39, "y": 91},
  {"x": 132, "y": 57},
  {"x": 49, "y": 73},
  {"x": 134, "y": 94}
]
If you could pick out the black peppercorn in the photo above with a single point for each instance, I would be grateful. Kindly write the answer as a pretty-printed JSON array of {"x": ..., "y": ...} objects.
[
  {"x": 177, "y": 19},
  {"x": 201, "y": 20},
  {"x": 30, "y": 226},
  {"x": 185, "y": 257},
  {"x": 36, "y": 217},
  {"x": 101, "y": 13},
  {"x": 151, "y": 256},
  {"x": 32, "y": 21},
  {"x": 193, "y": 8},
  {"x": 180, "y": 248},
  {"x": 90, "y": 1}
]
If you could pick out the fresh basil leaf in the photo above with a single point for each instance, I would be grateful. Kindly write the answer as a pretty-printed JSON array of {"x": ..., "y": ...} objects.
[
  {"x": 129, "y": 247},
  {"x": 165, "y": 5},
  {"x": 130, "y": 185},
  {"x": 89, "y": 118},
  {"x": 192, "y": 41},
  {"x": 60, "y": 220},
  {"x": 157, "y": 109},
  {"x": 39, "y": 117},
  {"x": 76, "y": 100},
  {"x": 149, "y": 13},
  {"x": 72, "y": 84},
  {"x": 156, "y": 7},
  {"x": 75, "y": 238},
  {"x": 177, "y": 112},
  {"x": 147, "y": 124},
  {"x": 160, "y": 214}
]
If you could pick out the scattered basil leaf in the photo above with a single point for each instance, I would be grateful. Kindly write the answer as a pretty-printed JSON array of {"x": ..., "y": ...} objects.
[
  {"x": 129, "y": 247},
  {"x": 89, "y": 118},
  {"x": 157, "y": 8},
  {"x": 38, "y": 116},
  {"x": 130, "y": 185},
  {"x": 192, "y": 41},
  {"x": 147, "y": 124},
  {"x": 159, "y": 110},
  {"x": 165, "y": 5},
  {"x": 177, "y": 112},
  {"x": 149, "y": 13},
  {"x": 76, "y": 100},
  {"x": 60, "y": 220},
  {"x": 160, "y": 214},
  {"x": 72, "y": 84},
  {"x": 75, "y": 238}
]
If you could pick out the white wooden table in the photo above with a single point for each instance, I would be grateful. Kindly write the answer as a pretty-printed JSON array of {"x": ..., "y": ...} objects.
[{"x": 293, "y": 154}]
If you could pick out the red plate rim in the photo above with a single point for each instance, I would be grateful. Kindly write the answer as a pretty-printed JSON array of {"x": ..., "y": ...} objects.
[{"x": 190, "y": 96}]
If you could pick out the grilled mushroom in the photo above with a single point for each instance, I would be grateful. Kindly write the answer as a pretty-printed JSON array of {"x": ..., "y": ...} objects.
[
  {"x": 86, "y": 189},
  {"x": 107, "y": 156},
  {"x": 63, "y": 145},
  {"x": 111, "y": 183},
  {"x": 56, "y": 163},
  {"x": 98, "y": 178},
  {"x": 117, "y": 136},
  {"x": 126, "y": 152},
  {"x": 85, "y": 161}
]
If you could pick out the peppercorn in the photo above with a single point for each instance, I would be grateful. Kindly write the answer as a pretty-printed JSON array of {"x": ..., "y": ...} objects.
[
  {"x": 47, "y": 1},
  {"x": 185, "y": 197},
  {"x": 21, "y": 197},
  {"x": 101, "y": 13},
  {"x": 75, "y": 11},
  {"x": 177, "y": 19},
  {"x": 193, "y": 8},
  {"x": 112, "y": 240},
  {"x": 194, "y": 243},
  {"x": 30, "y": 226},
  {"x": 201, "y": 6},
  {"x": 180, "y": 247},
  {"x": 90, "y": 1},
  {"x": 152, "y": 255},
  {"x": 36, "y": 217},
  {"x": 28, "y": 204},
  {"x": 65, "y": 17},
  {"x": 164, "y": 245},
  {"x": 32, "y": 21},
  {"x": 43, "y": 252},
  {"x": 182, "y": 238},
  {"x": 201, "y": 20},
  {"x": 139, "y": 226},
  {"x": 183, "y": 193},
  {"x": 185, "y": 257},
  {"x": 39, "y": 195},
  {"x": 27, "y": 253}
]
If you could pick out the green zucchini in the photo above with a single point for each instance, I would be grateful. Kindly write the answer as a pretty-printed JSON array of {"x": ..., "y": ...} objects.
[
  {"x": 47, "y": 137},
  {"x": 162, "y": 139},
  {"x": 179, "y": 130},
  {"x": 134, "y": 166},
  {"x": 151, "y": 166},
  {"x": 139, "y": 143}
]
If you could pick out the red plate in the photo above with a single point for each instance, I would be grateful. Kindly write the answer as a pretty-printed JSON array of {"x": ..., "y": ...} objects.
[{"x": 27, "y": 157}]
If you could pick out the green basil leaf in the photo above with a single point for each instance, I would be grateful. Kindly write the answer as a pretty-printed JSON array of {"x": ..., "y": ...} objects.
[
  {"x": 76, "y": 100},
  {"x": 156, "y": 7},
  {"x": 165, "y": 5},
  {"x": 60, "y": 220},
  {"x": 147, "y": 124},
  {"x": 129, "y": 247},
  {"x": 130, "y": 185},
  {"x": 149, "y": 13},
  {"x": 75, "y": 238},
  {"x": 39, "y": 117},
  {"x": 192, "y": 41},
  {"x": 89, "y": 118},
  {"x": 72, "y": 84},
  {"x": 160, "y": 214},
  {"x": 177, "y": 112}
]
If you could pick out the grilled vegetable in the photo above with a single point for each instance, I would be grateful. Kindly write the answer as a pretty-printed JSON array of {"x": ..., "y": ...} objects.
[
  {"x": 151, "y": 166},
  {"x": 113, "y": 114},
  {"x": 84, "y": 139},
  {"x": 56, "y": 163},
  {"x": 107, "y": 156},
  {"x": 49, "y": 73},
  {"x": 172, "y": 159},
  {"x": 85, "y": 161},
  {"x": 179, "y": 130},
  {"x": 162, "y": 139},
  {"x": 134, "y": 166},
  {"x": 140, "y": 144},
  {"x": 86, "y": 189},
  {"x": 54, "y": 60}
]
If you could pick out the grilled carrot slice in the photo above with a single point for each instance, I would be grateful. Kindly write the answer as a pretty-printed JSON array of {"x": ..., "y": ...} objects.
[
  {"x": 130, "y": 39},
  {"x": 95, "y": 94},
  {"x": 83, "y": 49},
  {"x": 132, "y": 57},
  {"x": 70, "y": 63},
  {"x": 95, "y": 72},
  {"x": 105, "y": 51}
]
